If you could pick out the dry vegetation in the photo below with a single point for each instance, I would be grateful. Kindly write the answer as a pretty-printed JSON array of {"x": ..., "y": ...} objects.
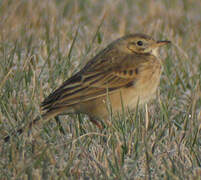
[{"x": 43, "y": 42}]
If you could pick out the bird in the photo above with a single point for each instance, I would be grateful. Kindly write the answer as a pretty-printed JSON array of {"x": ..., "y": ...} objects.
[{"x": 128, "y": 70}]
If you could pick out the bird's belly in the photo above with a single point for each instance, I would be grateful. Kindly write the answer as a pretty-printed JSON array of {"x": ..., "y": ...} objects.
[{"x": 143, "y": 90}]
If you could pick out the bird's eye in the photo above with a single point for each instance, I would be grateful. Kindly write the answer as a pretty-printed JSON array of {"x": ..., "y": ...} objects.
[{"x": 139, "y": 43}]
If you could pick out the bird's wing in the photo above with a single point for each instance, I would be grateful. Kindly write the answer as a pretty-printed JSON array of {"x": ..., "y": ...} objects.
[{"x": 95, "y": 80}]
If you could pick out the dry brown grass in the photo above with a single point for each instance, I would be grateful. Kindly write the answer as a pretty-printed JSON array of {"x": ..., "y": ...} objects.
[{"x": 37, "y": 53}]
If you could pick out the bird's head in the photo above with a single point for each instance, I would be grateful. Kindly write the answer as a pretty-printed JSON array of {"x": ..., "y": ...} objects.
[{"x": 140, "y": 44}]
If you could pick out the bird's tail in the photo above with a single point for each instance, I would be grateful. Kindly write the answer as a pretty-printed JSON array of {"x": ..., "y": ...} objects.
[{"x": 43, "y": 118}]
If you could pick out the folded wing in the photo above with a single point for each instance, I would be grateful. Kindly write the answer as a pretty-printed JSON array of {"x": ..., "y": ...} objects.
[{"x": 93, "y": 81}]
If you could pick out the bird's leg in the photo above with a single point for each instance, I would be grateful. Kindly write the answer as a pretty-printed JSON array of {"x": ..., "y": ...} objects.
[
  {"x": 97, "y": 122},
  {"x": 59, "y": 125}
]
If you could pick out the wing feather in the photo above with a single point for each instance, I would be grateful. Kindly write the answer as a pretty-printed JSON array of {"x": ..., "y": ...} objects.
[{"x": 95, "y": 80}]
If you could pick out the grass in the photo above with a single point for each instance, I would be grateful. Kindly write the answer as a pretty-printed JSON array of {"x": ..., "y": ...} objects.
[{"x": 42, "y": 43}]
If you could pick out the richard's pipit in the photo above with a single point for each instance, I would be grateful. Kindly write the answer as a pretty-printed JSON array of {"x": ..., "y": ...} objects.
[{"x": 128, "y": 70}]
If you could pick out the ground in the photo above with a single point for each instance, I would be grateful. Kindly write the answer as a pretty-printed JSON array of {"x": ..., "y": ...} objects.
[{"x": 42, "y": 43}]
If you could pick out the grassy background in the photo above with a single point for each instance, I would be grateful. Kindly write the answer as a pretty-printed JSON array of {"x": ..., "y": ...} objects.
[{"x": 43, "y": 42}]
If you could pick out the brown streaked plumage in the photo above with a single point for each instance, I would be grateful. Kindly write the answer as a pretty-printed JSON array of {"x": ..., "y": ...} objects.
[{"x": 127, "y": 69}]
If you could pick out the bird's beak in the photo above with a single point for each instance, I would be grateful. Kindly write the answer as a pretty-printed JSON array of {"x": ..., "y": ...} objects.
[{"x": 162, "y": 43}]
